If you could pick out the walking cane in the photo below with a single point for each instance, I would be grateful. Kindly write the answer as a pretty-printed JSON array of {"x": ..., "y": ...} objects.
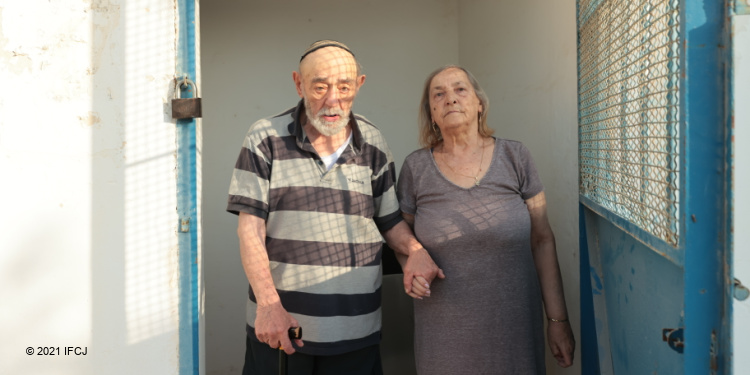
[{"x": 295, "y": 333}]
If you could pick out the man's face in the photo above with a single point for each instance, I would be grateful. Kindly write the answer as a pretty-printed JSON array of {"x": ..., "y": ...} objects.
[{"x": 328, "y": 83}]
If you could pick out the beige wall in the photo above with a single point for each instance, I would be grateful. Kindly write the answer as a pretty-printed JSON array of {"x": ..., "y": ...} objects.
[{"x": 523, "y": 53}]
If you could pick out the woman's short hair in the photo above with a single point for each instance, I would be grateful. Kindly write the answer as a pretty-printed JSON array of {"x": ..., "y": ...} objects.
[{"x": 430, "y": 137}]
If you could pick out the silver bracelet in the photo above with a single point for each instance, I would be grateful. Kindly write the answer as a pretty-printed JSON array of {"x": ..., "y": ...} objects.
[{"x": 558, "y": 320}]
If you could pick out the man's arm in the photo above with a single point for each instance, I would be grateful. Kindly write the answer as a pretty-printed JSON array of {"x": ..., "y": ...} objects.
[
  {"x": 559, "y": 333},
  {"x": 272, "y": 321},
  {"x": 415, "y": 261}
]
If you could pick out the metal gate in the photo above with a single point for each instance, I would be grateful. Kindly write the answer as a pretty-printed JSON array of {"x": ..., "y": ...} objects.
[{"x": 653, "y": 185}]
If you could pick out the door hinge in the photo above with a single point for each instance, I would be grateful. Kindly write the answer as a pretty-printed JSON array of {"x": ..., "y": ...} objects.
[{"x": 185, "y": 224}]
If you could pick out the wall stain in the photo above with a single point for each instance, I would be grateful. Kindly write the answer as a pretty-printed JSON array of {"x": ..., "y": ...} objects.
[
  {"x": 105, "y": 19},
  {"x": 16, "y": 62},
  {"x": 91, "y": 119}
]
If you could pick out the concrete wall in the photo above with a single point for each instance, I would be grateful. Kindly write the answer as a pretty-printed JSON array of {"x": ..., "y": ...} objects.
[
  {"x": 524, "y": 53},
  {"x": 87, "y": 227}
]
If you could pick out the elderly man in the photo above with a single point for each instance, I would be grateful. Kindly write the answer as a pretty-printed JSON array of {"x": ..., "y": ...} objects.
[{"x": 314, "y": 190}]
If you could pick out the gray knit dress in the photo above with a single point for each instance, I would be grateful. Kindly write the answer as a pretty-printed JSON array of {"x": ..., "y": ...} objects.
[{"x": 485, "y": 317}]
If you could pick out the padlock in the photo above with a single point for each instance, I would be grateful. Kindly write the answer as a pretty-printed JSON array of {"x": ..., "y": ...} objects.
[{"x": 187, "y": 107}]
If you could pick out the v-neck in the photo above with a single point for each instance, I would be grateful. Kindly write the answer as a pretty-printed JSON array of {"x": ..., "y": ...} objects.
[{"x": 473, "y": 185}]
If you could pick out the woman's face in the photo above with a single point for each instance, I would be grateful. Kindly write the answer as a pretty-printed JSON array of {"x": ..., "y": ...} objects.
[{"x": 453, "y": 102}]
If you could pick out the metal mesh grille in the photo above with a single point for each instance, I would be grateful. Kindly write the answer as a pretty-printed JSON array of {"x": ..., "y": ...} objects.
[{"x": 629, "y": 110}]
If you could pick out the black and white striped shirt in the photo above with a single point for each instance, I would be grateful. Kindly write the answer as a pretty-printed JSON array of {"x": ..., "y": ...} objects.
[{"x": 322, "y": 226}]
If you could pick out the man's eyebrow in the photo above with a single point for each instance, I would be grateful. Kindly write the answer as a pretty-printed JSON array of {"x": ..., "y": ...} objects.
[{"x": 325, "y": 79}]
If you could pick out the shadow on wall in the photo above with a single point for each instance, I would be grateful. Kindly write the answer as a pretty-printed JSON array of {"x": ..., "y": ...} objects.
[
  {"x": 134, "y": 249},
  {"x": 108, "y": 319}
]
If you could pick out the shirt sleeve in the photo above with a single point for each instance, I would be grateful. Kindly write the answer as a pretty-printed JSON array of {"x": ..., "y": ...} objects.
[
  {"x": 406, "y": 191},
  {"x": 528, "y": 178},
  {"x": 387, "y": 213},
  {"x": 249, "y": 186}
]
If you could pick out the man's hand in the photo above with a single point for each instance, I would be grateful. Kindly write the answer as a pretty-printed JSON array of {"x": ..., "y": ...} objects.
[
  {"x": 272, "y": 324},
  {"x": 561, "y": 342},
  {"x": 419, "y": 271},
  {"x": 416, "y": 263}
]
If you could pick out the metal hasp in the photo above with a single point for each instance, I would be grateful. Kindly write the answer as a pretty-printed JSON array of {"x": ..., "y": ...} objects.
[
  {"x": 675, "y": 338},
  {"x": 186, "y": 108}
]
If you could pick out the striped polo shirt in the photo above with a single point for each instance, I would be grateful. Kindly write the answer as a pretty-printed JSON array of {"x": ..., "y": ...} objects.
[{"x": 322, "y": 226}]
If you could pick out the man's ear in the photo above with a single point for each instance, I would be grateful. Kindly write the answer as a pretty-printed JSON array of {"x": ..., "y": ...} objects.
[
  {"x": 360, "y": 81},
  {"x": 297, "y": 78}
]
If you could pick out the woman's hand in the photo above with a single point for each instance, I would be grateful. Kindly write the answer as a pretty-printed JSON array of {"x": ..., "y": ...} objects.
[
  {"x": 561, "y": 342},
  {"x": 419, "y": 288},
  {"x": 419, "y": 271}
]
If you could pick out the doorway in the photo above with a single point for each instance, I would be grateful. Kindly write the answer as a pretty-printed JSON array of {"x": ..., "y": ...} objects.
[{"x": 249, "y": 50}]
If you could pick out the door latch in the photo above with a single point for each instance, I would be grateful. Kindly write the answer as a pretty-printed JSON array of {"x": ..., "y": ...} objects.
[{"x": 675, "y": 338}]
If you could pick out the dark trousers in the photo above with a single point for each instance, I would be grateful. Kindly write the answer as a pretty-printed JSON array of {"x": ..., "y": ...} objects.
[{"x": 260, "y": 359}]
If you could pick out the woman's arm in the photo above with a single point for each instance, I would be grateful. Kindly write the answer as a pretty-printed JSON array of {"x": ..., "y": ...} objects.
[{"x": 559, "y": 333}]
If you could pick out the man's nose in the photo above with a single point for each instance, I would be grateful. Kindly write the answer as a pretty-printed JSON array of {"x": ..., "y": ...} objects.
[{"x": 332, "y": 97}]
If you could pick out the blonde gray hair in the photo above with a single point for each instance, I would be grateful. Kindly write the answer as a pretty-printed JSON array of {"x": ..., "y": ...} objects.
[{"x": 430, "y": 136}]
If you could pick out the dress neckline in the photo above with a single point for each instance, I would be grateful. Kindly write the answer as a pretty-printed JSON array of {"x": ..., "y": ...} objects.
[{"x": 443, "y": 176}]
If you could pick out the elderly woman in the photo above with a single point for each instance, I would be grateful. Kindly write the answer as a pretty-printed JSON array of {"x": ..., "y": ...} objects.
[{"x": 477, "y": 205}]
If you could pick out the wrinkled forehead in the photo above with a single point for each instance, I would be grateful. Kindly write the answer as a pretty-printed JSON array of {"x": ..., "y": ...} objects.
[
  {"x": 449, "y": 78},
  {"x": 329, "y": 62}
]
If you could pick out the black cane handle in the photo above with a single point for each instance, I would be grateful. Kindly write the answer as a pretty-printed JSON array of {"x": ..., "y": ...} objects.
[{"x": 295, "y": 333}]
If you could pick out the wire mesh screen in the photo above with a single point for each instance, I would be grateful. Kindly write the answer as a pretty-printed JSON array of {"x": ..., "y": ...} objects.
[{"x": 628, "y": 98}]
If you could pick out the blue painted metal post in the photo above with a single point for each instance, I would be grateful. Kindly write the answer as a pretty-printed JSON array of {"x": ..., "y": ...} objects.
[
  {"x": 187, "y": 200},
  {"x": 703, "y": 92},
  {"x": 589, "y": 345}
]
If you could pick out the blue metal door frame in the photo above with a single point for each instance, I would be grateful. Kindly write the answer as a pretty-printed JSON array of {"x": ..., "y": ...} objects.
[
  {"x": 187, "y": 197},
  {"x": 706, "y": 181},
  {"x": 700, "y": 252}
]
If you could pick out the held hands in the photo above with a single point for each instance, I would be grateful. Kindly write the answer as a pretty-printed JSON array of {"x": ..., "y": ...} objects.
[
  {"x": 272, "y": 324},
  {"x": 419, "y": 272},
  {"x": 561, "y": 342}
]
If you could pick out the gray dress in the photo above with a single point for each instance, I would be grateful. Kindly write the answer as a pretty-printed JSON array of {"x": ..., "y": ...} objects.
[{"x": 485, "y": 317}]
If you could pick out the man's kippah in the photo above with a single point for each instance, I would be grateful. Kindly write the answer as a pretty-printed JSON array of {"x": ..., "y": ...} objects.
[{"x": 322, "y": 44}]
